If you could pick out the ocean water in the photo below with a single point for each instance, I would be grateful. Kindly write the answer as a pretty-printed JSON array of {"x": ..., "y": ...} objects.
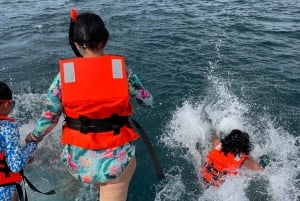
[{"x": 211, "y": 65}]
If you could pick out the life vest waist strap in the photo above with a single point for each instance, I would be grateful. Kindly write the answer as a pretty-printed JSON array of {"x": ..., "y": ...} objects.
[
  {"x": 214, "y": 172},
  {"x": 86, "y": 125},
  {"x": 4, "y": 168}
]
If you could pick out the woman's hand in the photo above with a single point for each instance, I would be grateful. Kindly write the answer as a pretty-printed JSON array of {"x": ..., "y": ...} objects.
[
  {"x": 31, "y": 138},
  {"x": 144, "y": 97}
]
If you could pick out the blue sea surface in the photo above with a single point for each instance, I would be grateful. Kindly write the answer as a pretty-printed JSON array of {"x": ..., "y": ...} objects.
[{"x": 210, "y": 65}]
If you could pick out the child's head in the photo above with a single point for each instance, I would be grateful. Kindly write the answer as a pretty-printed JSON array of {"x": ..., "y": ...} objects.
[
  {"x": 236, "y": 142},
  {"x": 6, "y": 102},
  {"x": 89, "y": 31},
  {"x": 5, "y": 92}
]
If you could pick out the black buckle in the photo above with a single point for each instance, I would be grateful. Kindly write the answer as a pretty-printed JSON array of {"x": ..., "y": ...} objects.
[
  {"x": 116, "y": 128},
  {"x": 84, "y": 124}
]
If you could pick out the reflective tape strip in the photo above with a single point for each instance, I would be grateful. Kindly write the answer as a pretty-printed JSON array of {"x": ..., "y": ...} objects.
[
  {"x": 69, "y": 72},
  {"x": 117, "y": 70}
]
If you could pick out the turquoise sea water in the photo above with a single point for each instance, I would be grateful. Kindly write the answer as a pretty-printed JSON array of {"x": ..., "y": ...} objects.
[{"x": 211, "y": 65}]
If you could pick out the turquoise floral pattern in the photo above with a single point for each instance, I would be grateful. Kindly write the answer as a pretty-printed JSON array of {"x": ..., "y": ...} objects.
[{"x": 97, "y": 166}]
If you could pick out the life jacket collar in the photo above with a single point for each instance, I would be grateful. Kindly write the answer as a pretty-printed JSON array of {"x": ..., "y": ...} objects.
[{"x": 6, "y": 118}]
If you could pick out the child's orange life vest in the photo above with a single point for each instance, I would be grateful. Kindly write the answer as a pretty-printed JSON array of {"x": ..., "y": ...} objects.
[
  {"x": 96, "y": 102},
  {"x": 7, "y": 177},
  {"x": 218, "y": 165}
]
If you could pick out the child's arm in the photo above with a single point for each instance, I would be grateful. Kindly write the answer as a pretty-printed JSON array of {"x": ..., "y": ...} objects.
[
  {"x": 16, "y": 156},
  {"x": 215, "y": 139},
  {"x": 252, "y": 164}
]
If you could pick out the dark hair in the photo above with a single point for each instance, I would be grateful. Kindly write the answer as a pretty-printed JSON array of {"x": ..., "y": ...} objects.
[
  {"x": 236, "y": 142},
  {"x": 5, "y": 92},
  {"x": 89, "y": 31}
]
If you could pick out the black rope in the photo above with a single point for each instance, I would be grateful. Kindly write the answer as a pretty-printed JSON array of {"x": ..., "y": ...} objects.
[
  {"x": 26, "y": 180},
  {"x": 153, "y": 156},
  {"x": 51, "y": 192},
  {"x": 20, "y": 193}
]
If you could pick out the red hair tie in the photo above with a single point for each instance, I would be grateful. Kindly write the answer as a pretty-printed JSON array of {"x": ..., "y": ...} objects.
[{"x": 73, "y": 15}]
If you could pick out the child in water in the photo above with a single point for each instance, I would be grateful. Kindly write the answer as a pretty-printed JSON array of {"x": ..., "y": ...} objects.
[
  {"x": 13, "y": 157},
  {"x": 227, "y": 156}
]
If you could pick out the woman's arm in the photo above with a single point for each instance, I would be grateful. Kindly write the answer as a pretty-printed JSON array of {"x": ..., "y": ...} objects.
[
  {"x": 50, "y": 114},
  {"x": 137, "y": 90}
]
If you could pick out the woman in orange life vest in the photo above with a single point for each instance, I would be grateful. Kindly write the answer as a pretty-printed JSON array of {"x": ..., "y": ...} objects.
[
  {"x": 227, "y": 156},
  {"x": 94, "y": 93},
  {"x": 13, "y": 157}
]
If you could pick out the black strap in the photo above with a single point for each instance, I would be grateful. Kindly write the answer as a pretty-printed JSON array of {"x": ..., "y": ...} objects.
[
  {"x": 86, "y": 125},
  {"x": 153, "y": 156},
  {"x": 20, "y": 192},
  {"x": 73, "y": 46},
  {"x": 25, "y": 179},
  {"x": 217, "y": 175},
  {"x": 4, "y": 167}
]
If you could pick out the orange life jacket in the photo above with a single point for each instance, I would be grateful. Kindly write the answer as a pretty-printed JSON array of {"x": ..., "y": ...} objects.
[
  {"x": 96, "y": 102},
  {"x": 7, "y": 177},
  {"x": 218, "y": 165}
]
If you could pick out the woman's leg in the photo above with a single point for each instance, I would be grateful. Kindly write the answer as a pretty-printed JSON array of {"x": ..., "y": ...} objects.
[{"x": 116, "y": 190}]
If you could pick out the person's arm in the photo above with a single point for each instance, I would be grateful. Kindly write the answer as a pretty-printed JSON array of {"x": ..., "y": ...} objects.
[
  {"x": 215, "y": 139},
  {"x": 137, "y": 90},
  {"x": 252, "y": 164},
  {"x": 50, "y": 114},
  {"x": 16, "y": 156}
]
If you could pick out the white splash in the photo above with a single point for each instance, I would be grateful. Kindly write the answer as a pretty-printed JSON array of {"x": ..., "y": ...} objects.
[{"x": 222, "y": 111}]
